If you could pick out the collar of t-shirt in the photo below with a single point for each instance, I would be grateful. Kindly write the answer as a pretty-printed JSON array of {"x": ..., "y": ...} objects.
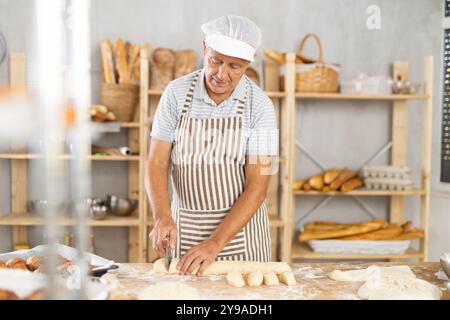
[{"x": 201, "y": 93}]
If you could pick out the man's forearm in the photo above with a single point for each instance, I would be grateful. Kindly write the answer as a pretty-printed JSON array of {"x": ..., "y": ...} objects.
[
  {"x": 240, "y": 214},
  {"x": 157, "y": 190}
]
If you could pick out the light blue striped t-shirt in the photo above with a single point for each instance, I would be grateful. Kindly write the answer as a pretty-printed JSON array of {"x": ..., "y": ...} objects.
[{"x": 259, "y": 119}]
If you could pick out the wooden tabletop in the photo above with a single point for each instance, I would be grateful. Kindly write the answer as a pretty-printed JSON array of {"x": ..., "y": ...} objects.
[{"x": 312, "y": 282}]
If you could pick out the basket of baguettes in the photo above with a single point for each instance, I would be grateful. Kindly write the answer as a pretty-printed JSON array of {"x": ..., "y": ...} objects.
[{"x": 371, "y": 237}]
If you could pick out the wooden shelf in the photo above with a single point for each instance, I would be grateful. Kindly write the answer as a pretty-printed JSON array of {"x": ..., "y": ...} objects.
[
  {"x": 303, "y": 251},
  {"x": 27, "y": 219},
  {"x": 28, "y": 156},
  {"x": 122, "y": 124},
  {"x": 340, "y": 96},
  {"x": 155, "y": 92},
  {"x": 363, "y": 192}
]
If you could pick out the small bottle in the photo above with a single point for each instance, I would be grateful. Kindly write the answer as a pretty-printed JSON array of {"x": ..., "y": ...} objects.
[
  {"x": 66, "y": 238},
  {"x": 92, "y": 244},
  {"x": 72, "y": 240}
]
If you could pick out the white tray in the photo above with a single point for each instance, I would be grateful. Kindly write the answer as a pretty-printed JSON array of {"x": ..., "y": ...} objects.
[
  {"x": 65, "y": 251},
  {"x": 359, "y": 246},
  {"x": 23, "y": 283}
]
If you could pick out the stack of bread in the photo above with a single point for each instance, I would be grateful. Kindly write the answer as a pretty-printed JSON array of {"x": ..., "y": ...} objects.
[
  {"x": 121, "y": 61},
  {"x": 368, "y": 230},
  {"x": 334, "y": 179}
]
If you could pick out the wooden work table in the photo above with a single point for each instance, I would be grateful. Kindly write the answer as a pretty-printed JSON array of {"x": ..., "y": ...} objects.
[{"x": 312, "y": 278}]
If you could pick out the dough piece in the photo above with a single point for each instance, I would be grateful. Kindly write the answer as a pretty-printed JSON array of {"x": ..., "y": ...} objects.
[
  {"x": 235, "y": 279},
  {"x": 270, "y": 279},
  {"x": 288, "y": 278},
  {"x": 173, "y": 265},
  {"x": 173, "y": 290},
  {"x": 160, "y": 266},
  {"x": 225, "y": 267},
  {"x": 389, "y": 283},
  {"x": 17, "y": 263},
  {"x": 255, "y": 278}
]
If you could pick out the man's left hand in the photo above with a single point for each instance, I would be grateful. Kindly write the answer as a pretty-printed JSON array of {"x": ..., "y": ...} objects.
[{"x": 199, "y": 256}]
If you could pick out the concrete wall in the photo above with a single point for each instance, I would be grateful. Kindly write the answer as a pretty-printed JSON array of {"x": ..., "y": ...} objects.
[{"x": 338, "y": 133}]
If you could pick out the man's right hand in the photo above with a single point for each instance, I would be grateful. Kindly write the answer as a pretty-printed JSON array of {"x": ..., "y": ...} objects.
[{"x": 164, "y": 234}]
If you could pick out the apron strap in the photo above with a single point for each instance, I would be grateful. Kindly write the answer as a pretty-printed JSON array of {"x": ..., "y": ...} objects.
[
  {"x": 241, "y": 102},
  {"x": 190, "y": 94}
]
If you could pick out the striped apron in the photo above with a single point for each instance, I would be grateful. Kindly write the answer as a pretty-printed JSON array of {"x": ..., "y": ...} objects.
[{"x": 208, "y": 160}]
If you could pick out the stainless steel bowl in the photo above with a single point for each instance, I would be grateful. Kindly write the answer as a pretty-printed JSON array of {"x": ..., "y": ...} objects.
[
  {"x": 445, "y": 263},
  {"x": 98, "y": 212},
  {"x": 120, "y": 206},
  {"x": 40, "y": 206}
]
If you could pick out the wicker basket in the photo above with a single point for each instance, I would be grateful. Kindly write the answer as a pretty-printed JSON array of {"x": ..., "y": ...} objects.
[
  {"x": 121, "y": 99},
  {"x": 318, "y": 76}
]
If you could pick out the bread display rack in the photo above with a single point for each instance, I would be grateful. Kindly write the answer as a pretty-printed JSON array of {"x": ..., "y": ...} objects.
[{"x": 291, "y": 248}]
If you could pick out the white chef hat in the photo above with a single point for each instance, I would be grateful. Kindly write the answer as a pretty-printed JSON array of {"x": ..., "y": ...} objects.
[{"x": 233, "y": 35}]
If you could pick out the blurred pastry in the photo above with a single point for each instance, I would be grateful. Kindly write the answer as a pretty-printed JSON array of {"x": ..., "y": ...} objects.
[
  {"x": 34, "y": 262},
  {"x": 8, "y": 295},
  {"x": 2, "y": 264},
  {"x": 17, "y": 263},
  {"x": 36, "y": 295}
]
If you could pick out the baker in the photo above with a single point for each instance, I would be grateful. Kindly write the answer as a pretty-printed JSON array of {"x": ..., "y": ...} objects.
[{"x": 215, "y": 134}]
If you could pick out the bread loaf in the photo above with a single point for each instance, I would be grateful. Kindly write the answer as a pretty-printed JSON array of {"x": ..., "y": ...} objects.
[
  {"x": 162, "y": 66},
  {"x": 343, "y": 176},
  {"x": 342, "y": 231},
  {"x": 306, "y": 186},
  {"x": 390, "y": 231},
  {"x": 351, "y": 184},
  {"x": 120, "y": 55},
  {"x": 17, "y": 263},
  {"x": 34, "y": 262},
  {"x": 185, "y": 61},
  {"x": 298, "y": 184},
  {"x": 2, "y": 264},
  {"x": 107, "y": 61},
  {"x": 330, "y": 175},
  {"x": 8, "y": 295},
  {"x": 316, "y": 181}
]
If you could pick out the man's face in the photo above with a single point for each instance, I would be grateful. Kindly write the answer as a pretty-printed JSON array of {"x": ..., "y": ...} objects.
[{"x": 222, "y": 73}]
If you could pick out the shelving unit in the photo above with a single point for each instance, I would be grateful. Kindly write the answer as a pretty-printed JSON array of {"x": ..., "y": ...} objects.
[
  {"x": 292, "y": 249},
  {"x": 19, "y": 219}
]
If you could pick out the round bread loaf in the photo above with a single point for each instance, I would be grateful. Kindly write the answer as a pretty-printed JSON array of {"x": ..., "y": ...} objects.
[{"x": 17, "y": 263}]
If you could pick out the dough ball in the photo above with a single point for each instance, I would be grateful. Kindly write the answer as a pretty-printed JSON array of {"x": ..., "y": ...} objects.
[
  {"x": 235, "y": 279},
  {"x": 160, "y": 266},
  {"x": 287, "y": 277},
  {"x": 8, "y": 295},
  {"x": 17, "y": 263},
  {"x": 255, "y": 278},
  {"x": 173, "y": 266},
  {"x": 270, "y": 279},
  {"x": 34, "y": 263}
]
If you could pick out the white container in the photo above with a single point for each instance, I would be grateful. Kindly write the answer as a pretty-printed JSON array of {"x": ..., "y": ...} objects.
[
  {"x": 363, "y": 84},
  {"x": 359, "y": 246}
]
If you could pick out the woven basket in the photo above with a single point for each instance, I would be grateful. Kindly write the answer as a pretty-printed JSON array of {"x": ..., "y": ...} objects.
[
  {"x": 121, "y": 99},
  {"x": 318, "y": 76}
]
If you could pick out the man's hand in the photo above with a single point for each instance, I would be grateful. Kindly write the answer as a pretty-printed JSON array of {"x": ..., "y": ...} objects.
[
  {"x": 199, "y": 256},
  {"x": 164, "y": 234}
]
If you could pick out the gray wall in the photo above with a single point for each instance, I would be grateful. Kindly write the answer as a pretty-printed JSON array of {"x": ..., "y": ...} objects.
[{"x": 344, "y": 135}]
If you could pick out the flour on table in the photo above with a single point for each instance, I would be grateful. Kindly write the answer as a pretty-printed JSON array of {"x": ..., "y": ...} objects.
[
  {"x": 441, "y": 275},
  {"x": 172, "y": 290},
  {"x": 389, "y": 283}
]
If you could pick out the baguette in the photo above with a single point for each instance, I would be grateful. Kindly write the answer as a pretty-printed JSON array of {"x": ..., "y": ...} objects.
[
  {"x": 133, "y": 64},
  {"x": 351, "y": 184},
  {"x": 107, "y": 61},
  {"x": 390, "y": 231},
  {"x": 278, "y": 57},
  {"x": 316, "y": 181},
  {"x": 413, "y": 234},
  {"x": 330, "y": 175},
  {"x": 121, "y": 61},
  {"x": 343, "y": 176},
  {"x": 343, "y": 231},
  {"x": 325, "y": 225}
]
